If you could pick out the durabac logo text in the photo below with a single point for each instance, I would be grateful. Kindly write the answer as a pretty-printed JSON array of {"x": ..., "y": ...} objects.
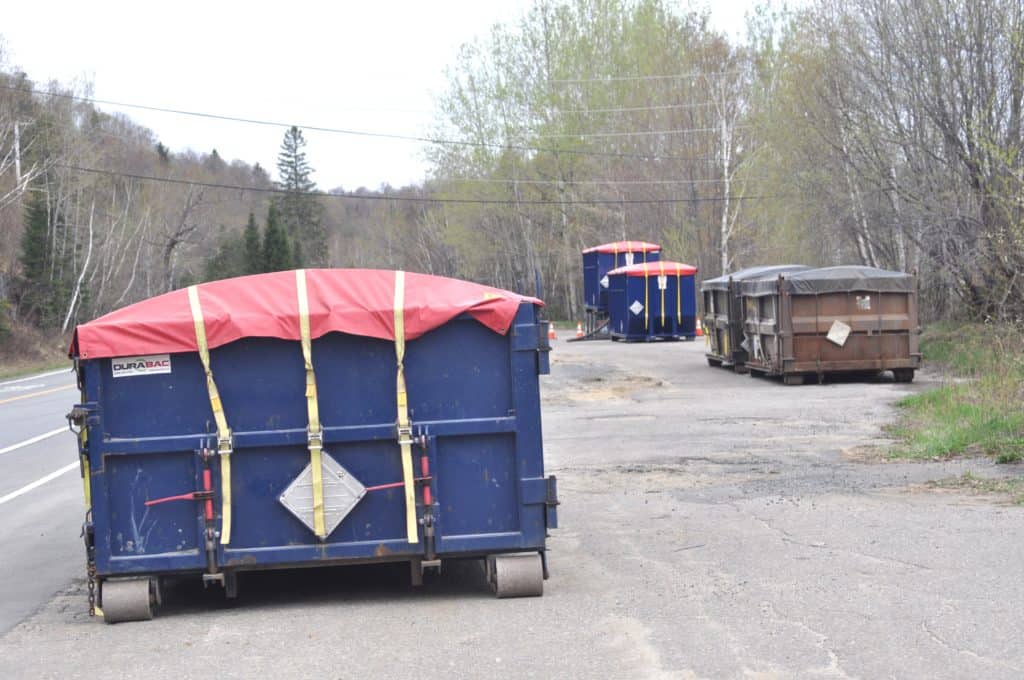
[{"x": 146, "y": 365}]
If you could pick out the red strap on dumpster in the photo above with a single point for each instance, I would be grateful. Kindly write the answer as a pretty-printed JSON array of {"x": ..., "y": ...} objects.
[{"x": 355, "y": 301}]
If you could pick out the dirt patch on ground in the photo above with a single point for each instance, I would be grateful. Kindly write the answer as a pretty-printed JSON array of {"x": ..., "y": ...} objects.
[
  {"x": 1001, "y": 490},
  {"x": 610, "y": 387},
  {"x": 867, "y": 453}
]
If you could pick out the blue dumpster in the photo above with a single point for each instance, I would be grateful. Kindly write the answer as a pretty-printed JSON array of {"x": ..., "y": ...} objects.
[
  {"x": 651, "y": 301},
  {"x": 600, "y": 260},
  {"x": 310, "y": 418}
]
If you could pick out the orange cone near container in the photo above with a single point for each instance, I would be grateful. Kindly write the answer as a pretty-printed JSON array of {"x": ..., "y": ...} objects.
[
  {"x": 700, "y": 329},
  {"x": 551, "y": 332},
  {"x": 579, "y": 330}
]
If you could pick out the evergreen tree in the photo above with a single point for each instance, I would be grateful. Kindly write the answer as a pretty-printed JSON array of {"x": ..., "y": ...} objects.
[
  {"x": 46, "y": 260},
  {"x": 36, "y": 262},
  {"x": 230, "y": 258},
  {"x": 34, "y": 252},
  {"x": 300, "y": 212},
  {"x": 276, "y": 254},
  {"x": 252, "y": 250},
  {"x": 163, "y": 152}
]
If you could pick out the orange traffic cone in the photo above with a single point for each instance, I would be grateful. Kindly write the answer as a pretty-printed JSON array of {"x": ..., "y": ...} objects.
[
  {"x": 700, "y": 329},
  {"x": 551, "y": 332},
  {"x": 579, "y": 330}
]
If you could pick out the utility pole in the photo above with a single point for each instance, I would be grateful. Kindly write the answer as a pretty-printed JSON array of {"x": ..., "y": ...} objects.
[{"x": 17, "y": 151}]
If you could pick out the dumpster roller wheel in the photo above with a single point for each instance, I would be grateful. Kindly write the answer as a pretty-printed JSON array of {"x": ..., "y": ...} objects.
[
  {"x": 129, "y": 599},
  {"x": 519, "y": 575}
]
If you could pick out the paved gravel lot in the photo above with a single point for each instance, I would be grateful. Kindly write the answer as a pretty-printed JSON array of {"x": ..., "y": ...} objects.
[{"x": 713, "y": 525}]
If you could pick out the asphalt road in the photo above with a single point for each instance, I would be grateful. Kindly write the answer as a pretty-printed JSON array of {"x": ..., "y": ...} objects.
[
  {"x": 712, "y": 525},
  {"x": 40, "y": 551}
]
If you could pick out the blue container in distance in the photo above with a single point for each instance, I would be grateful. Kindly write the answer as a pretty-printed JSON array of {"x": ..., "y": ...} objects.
[
  {"x": 338, "y": 416},
  {"x": 652, "y": 301},
  {"x": 600, "y": 260}
]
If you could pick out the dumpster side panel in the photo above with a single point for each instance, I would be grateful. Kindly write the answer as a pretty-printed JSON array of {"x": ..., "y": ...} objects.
[
  {"x": 473, "y": 395},
  {"x": 135, "y": 530},
  {"x": 787, "y": 331}
]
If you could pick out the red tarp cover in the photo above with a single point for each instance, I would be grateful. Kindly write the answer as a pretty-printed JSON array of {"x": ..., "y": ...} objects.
[
  {"x": 625, "y": 247},
  {"x": 655, "y": 269},
  {"x": 354, "y": 301}
]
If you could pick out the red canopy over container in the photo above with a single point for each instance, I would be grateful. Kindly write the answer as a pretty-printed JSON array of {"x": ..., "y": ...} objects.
[
  {"x": 354, "y": 301},
  {"x": 625, "y": 247},
  {"x": 655, "y": 269}
]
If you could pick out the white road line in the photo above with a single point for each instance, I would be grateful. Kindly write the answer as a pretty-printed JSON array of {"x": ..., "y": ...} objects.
[
  {"x": 39, "y": 482},
  {"x": 37, "y": 376},
  {"x": 33, "y": 440}
]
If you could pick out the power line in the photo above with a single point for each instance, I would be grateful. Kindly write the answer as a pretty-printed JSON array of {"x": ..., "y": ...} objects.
[
  {"x": 627, "y": 109},
  {"x": 638, "y": 132},
  {"x": 676, "y": 76},
  {"x": 363, "y": 133},
  {"x": 587, "y": 182},
  {"x": 411, "y": 199}
]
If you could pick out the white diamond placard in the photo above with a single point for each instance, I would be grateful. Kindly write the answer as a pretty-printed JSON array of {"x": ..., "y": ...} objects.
[
  {"x": 342, "y": 492},
  {"x": 604, "y": 281},
  {"x": 838, "y": 333},
  {"x": 636, "y": 308}
]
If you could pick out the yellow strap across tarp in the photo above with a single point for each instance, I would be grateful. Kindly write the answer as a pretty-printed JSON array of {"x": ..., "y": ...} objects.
[
  {"x": 662, "y": 294},
  {"x": 647, "y": 302},
  {"x": 679, "y": 300},
  {"x": 404, "y": 428},
  {"x": 224, "y": 446},
  {"x": 316, "y": 442}
]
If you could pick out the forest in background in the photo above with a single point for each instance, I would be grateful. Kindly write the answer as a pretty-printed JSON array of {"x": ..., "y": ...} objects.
[{"x": 880, "y": 132}]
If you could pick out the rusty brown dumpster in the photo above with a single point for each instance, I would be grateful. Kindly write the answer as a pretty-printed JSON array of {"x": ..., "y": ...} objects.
[
  {"x": 831, "y": 320},
  {"x": 723, "y": 314}
]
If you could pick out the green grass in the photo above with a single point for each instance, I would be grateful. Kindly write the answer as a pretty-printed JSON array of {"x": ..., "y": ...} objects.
[
  {"x": 19, "y": 369},
  {"x": 979, "y": 410},
  {"x": 1008, "y": 486}
]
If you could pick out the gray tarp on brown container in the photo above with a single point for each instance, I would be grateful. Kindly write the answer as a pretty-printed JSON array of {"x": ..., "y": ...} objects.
[
  {"x": 832, "y": 280},
  {"x": 722, "y": 282}
]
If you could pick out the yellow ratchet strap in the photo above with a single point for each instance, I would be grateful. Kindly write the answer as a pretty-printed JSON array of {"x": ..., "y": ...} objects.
[
  {"x": 662, "y": 293},
  {"x": 224, "y": 443},
  {"x": 404, "y": 428},
  {"x": 83, "y": 441},
  {"x": 315, "y": 432},
  {"x": 647, "y": 302},
  {"x": 679, "y": 299},
  {"x": 83, "y": 457}
]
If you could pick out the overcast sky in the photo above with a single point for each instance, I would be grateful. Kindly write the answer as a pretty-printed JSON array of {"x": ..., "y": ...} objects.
[{"x": 368, "y": 65}]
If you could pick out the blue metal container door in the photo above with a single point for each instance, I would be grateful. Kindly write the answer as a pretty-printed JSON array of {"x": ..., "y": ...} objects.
[{"x": 136, "y": 456}]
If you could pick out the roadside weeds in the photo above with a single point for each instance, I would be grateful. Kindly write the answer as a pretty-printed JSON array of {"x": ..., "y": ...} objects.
[{"x": 978, "y": 410}]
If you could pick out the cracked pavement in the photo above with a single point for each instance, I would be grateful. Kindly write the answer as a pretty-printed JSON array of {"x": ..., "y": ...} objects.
[{"x": 713, "y": 526}]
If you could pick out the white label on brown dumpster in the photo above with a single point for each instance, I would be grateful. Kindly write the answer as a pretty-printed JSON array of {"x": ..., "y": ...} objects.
[
  {"x": 151, "y": 364},
  {"x": 838, "y": 333},
  {"x": 864, "y": 302}
]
